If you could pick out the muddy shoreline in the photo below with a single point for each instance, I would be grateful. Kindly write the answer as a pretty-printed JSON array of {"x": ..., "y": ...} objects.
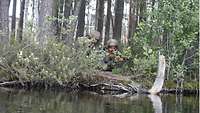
[{"x": 43, "y": 85}]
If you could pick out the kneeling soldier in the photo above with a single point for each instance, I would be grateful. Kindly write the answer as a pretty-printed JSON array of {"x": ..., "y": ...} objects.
[{"x": 113, "y": 58}]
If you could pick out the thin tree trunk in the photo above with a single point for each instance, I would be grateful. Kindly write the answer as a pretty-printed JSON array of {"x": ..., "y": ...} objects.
[
  {"x": 88, "y": 19},
  {"x": 61, "y": 15},
  {"x": 33, "y": 10},
  {"x": 153, "y": 4},
  {"x": 76, "y": 7},
  {"x": 142, "y": 10},
  {"x": 100, "y": 18},
  {"x": 67, "y": 9},
  {"x": 67, "y": 37},
  {"x": 75, "y": 2},
  {"x": 4, "y": 21},
  {"x": 13, "y": 24},
  {"x": 21, "y": 21},
  {"x": 26, "y": 12},
  {"x": 137, "y": 14},
  {"x": 133, "y": 11},
  {"x": 33, "y": 14},
  {"x": 131, "y": 19},
  {"x": 81, "y": 19},
  {"x": 96, "y": 16},
  {"x": 108, "y": 19},
  {"x": 119, "y": 8},
  {"x": 57, "y": 13}
]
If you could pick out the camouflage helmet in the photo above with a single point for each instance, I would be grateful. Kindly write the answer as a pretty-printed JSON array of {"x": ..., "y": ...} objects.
[
  {"x": 95, "y": 35},
  {"x": 112, "y": 42}
]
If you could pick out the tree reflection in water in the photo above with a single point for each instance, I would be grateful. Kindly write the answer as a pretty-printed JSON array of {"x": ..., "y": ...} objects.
[
  {"x": 157, "y": 103},
  {"x": 14, "y": 101}
]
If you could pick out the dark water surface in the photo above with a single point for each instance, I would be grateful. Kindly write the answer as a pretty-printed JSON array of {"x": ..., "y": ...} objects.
[{"x": 62, "y": 102}]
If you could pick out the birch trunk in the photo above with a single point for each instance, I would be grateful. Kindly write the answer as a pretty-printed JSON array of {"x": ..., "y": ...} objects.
[{"x": 159, "y": 81}]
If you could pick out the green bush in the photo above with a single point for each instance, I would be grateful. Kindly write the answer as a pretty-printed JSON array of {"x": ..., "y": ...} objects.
[
  {"x": 56, "y": 61},
  {"x": 171, "y": 28}
]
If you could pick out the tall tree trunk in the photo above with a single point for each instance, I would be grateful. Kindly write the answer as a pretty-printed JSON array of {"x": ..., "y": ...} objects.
[
  {"x": 136, "y": 14},
  {"x": 81, "y": 19},
  {"x": 108, "y": 19},
  {"x": 96, "y": 16},
  {"x": 34, "y": 13},
  {"x": 67, "y": 37},
  {"x": 45, "y": 12},
  {"x": 13, "y": 24},
  {"x": 67, "y": 9},
  {"x": 142, "y": 10},
  {"x": 130, "y": 23},
  {"x": 33, "y": 10},
  {"x": 21, "y": 21},
  {"x": 119, "y": 8},
  {"x": 76, "y": 7},
  {"x": 57, "y": 11},
  {"x": 60, "y": 18},
  {"x": 26, "y": 14},
  {"x": 4, "y": 21},
  {"x": 132, "y": 19},
  {"x": 100, "y": 17},
  {"x": 133, "y": 11}
]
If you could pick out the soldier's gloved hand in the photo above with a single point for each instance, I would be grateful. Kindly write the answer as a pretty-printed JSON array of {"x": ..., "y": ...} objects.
[
  {"x": 119, "y": 59},
  {"x": 111, "y": 56}
]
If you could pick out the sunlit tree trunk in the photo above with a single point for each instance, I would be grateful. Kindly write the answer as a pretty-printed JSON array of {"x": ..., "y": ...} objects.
[
  {"x": 26, "y": 13},
  {"x": 119, "y": 8}
]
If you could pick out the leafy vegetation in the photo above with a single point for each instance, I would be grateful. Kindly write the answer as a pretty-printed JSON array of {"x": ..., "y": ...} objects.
[
  {"x": 55, "y": 62},
  {"x": 171, "y": 28},
  {"x": 166, "y": 27}
]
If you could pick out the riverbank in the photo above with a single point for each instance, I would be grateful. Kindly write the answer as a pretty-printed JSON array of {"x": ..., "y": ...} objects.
[{"x": 101, "y": 83}]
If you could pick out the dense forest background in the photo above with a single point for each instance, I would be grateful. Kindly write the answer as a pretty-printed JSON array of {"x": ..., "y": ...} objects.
[{"x": 37, "y": 39}]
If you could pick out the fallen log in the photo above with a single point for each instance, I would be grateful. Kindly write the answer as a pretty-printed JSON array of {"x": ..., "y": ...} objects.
[{"x": 106, "y": 81}]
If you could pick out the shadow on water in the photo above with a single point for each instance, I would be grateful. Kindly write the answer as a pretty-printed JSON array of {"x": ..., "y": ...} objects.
[{"x": 20, "y": 101}]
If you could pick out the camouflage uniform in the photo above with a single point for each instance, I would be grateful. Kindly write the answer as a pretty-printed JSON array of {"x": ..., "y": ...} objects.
[
  {"x": 89, "y": 40},
  {"x": 113, "y": 59}
]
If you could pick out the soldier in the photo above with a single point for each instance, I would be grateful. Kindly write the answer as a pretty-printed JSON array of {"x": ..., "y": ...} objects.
[
  {"x": 90, "y": 40},
  {"x": 95, "y": 37},
  {"x": 113, "y": 57}
]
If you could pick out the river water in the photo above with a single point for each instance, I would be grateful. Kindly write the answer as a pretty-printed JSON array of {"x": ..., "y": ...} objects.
[{"x": 12, "y": 101}]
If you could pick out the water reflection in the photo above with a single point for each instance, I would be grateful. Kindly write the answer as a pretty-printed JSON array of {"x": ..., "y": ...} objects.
[
  {"x": 85, "y": 102},
  {"x": 157, "y": 103}
]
